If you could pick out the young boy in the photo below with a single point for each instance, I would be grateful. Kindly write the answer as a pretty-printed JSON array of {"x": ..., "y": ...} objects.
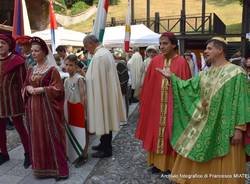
[{"x": 75, "y": 103}]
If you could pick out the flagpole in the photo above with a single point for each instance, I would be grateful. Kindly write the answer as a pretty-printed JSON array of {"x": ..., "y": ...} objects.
[{"x": 127, "y": 29}]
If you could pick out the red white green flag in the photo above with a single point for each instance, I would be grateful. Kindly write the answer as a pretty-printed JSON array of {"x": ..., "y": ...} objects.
[
  {"x": 100, "y": 20},
  {"x": 127, "y": 28}
]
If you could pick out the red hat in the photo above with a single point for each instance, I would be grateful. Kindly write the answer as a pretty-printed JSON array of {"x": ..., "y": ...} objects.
[
  {"x": 41, "y": 42},
  {"x": 170, "y": 36},
  {"x": 22, "y": 40},
  {"x": 9, "y": 39}
]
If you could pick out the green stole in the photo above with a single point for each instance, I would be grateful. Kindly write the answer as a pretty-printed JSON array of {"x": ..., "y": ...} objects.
[{"x": 206, "y": 110}]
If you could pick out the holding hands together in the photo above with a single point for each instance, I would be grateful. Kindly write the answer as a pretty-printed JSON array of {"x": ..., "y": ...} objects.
[
  {"x": 35, "y": 91},
  {"x": 165, "y": 72}
]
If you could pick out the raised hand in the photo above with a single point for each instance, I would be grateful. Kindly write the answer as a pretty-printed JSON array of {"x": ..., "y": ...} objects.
[{"x": 165, "y": 72}]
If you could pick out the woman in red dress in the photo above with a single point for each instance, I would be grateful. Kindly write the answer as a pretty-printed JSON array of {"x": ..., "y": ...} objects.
[{"x": 43, "y": 94}]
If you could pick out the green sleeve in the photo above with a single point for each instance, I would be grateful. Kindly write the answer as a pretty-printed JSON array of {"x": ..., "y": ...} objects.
[
  {"x": 247, "y": 147},
  {"x": 241, "y": 102},
  {"x": 186, "y": 95}
]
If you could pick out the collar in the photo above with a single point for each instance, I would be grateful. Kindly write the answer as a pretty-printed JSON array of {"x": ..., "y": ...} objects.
[{"x": 97, "y": 48}]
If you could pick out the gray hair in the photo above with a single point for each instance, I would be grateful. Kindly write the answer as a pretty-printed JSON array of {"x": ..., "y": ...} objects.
[
  {"x": 136, "y": 49},
  {"x": 90, "y": 39}
]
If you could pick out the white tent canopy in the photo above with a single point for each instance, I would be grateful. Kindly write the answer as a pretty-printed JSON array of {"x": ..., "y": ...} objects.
[
  {"x": 63, "y": 36},
  {"x": 141, "y": 36}
]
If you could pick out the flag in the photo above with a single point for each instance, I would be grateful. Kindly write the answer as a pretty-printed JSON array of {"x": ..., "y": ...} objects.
[
  {"x": 53, "y": 26},
  {"x": 100, "y": 20},
  {"x": 127, "y": 28},
  {"x": 21, "y": 25}
]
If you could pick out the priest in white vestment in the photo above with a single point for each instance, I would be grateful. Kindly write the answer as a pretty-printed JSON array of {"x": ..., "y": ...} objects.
[{"x": 104, "y": 97}]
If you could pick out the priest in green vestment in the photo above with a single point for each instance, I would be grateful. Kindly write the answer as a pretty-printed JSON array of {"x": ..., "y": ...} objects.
[{"x": 211, "y": 112}]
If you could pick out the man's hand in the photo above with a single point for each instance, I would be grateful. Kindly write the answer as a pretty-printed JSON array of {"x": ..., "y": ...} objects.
[
  {"x": 237, "y": 138},
  {"x": 165, "y": 72}
]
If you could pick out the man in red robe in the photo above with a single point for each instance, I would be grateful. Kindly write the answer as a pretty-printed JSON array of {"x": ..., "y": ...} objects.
[
  {"x": 156, "y": 108},
  {"x": 12, "y": 75}
]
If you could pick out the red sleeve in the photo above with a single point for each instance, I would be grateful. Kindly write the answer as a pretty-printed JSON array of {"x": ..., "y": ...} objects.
[
  {"x": 26, "y": 83},
  {"x": 181, "y": 68}
]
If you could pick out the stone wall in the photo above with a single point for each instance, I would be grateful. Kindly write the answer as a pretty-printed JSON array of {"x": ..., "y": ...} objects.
[{"x": 38, "y": 11}]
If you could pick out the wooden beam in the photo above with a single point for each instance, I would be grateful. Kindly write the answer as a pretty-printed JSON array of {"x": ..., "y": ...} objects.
[
  {"x": 203, "y": 14},
  {"x": 245, "y": 26},
  {"x": 132, "y": 11},
  {"x": 182, "y": 28},
  {"x": 183, "y": 18},
  {"x": 148, "y": 13},
  {"x": 5, "y": 27}
]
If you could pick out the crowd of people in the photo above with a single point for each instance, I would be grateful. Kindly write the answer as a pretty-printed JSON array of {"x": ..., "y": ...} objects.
[{"x": 193, "y": 113}]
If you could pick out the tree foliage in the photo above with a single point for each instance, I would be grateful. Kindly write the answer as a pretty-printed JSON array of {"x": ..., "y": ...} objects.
[{"x": 224, "y": 2}]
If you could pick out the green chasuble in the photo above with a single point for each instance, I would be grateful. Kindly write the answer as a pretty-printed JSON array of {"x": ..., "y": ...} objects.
[
  {"x": 248, "y": 131},
  {"x": 206, "y": 110}
]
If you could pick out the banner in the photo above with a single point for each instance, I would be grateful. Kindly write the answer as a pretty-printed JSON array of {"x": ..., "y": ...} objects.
[
  {"x": 100, "y": 20},
  {"x": 53, "y": 26}
]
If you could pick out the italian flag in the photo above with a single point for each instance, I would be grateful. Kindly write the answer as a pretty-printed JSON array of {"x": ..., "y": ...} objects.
[
  {"x": 100, "y": 20},
  {"x": 127, "y": 28}
]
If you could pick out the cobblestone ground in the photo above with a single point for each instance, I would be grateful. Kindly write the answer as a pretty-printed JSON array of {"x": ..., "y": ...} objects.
[
  {"x": 13, "y": 139},
  {"x": 128, "y": 164}
]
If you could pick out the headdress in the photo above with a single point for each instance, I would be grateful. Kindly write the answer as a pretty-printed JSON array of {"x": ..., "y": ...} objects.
[
  {"x": 171, "y": 37},
  {"x": 22, "y": 40},
  {"x": 168, "y": 34},
  {"x": 219, "y": 39},
  {"x": 118, "y": 52},
  {"x": 40, "y": 42},
  {"x": 9, "y": 39},
  {"x": 152, "y": 47}
]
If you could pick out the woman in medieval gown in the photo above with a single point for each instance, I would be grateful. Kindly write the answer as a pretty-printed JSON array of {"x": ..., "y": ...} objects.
[{"x": 43, "y": 94}]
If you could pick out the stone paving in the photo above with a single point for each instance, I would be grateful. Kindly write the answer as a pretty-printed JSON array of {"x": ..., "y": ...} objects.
[
  {"x": 13, "y": 139},
  {"x": 12, "y": 172},
  {"x": 126, "y": 166}
]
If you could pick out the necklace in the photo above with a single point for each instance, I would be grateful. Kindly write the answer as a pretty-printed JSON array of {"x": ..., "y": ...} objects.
[{"x": 39, "y": 70}]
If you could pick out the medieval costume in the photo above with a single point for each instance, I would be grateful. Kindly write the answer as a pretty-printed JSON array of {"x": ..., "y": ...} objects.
[
  {"x": 25, "y": 44},
  {"x": 74, "y": 110},
  {"x": 151, "y": 51},
  {"x": 208, "y": 109},
  {"x": 123, "y": 76},
  {"x": 156, "y": 111},
  {"x": 12, "y": 75},
  {"x": 135, "y": 65},
  {"x": 45, "y": 117},
  {"x": 105, "y": 109}
]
